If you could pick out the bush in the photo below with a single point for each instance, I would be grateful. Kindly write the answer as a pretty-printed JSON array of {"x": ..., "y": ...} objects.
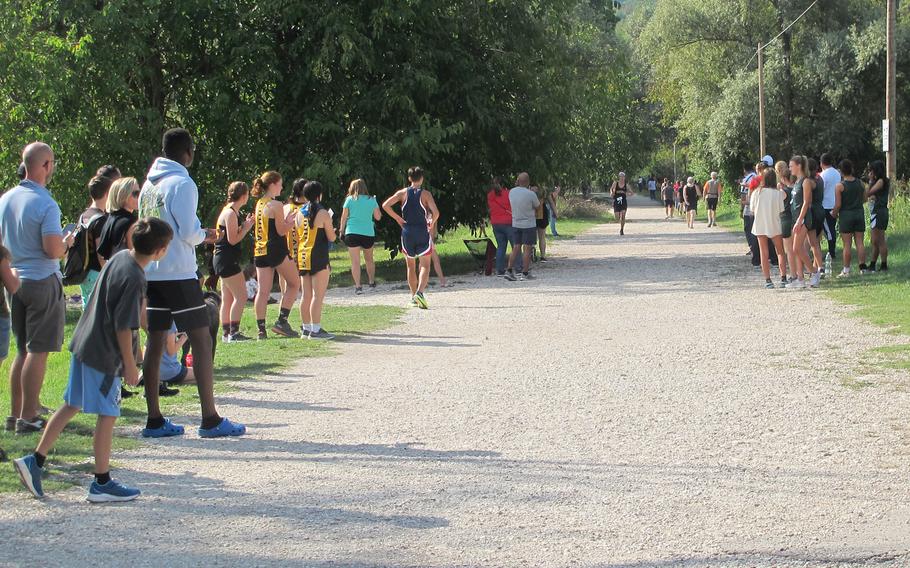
[{"x": 577, "y": 207}]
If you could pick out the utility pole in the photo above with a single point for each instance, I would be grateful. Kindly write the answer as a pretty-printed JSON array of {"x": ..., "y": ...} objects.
[
  {"x": 761, "y": 100},
  {"x": 890, "y": 129}
]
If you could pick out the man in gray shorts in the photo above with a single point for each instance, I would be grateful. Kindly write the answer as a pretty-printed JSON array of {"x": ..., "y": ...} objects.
[
  {"x": 30, "y": 228},
  {"x": 524, "y": 226}
]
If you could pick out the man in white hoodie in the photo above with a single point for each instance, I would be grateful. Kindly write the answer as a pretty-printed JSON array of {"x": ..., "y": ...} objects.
[{"x": 174, "y": 293}]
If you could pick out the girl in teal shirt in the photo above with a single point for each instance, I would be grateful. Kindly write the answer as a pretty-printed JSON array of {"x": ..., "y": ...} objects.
[{"x": 359, "y": 234}]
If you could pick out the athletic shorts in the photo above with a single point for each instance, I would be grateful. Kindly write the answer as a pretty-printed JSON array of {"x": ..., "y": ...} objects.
[
  {"x": 176, "y": 302},
  {"x": 525, "y": 236},
  {"x": 542, "y": 223},
  {"x": 91, "y": 390},
  {"x": 818, "y": 219},
  {"x": 850, "y": 222},
  {"x": 669, "y": 202},
  {"x": 38, "y": 314},
  {"x": 359, "y": 241},
  {"x": 273, "y": 259},
  {"x": 416, "y": 241},
  {"x": 786, "y": 225},
  {"x": 712, "y": 203},
  {"x": 879, "y": 220},
  {"x": 692, "y": 207},
  {"x": 225, "y": 266}
]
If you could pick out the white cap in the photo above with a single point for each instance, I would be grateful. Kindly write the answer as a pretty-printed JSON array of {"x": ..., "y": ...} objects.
[
  {"x": 622, "y": 174},
  {"x": 768, "y": 160}
]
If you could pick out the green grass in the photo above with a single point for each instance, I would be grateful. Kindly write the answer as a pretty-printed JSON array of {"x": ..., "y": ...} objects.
[{"x": 233, "y": 362}]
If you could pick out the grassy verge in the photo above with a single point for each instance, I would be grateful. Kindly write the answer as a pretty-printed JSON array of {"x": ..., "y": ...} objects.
[{"x": 233, "y": 362}]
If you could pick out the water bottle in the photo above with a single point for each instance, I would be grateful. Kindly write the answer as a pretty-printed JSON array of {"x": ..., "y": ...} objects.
[{"x": 827, "y": 264}]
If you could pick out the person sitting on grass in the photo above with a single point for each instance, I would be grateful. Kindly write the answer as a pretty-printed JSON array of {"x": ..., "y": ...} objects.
[
  {"x": 102, "y": 354},
  {"x": 173, "y": 371}
]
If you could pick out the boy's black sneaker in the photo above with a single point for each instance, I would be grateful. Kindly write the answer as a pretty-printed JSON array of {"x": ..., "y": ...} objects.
[
  {"x": 510, "y": 276},
  {"x": 125, "y": 393},
  {"x": 30, "y": 426},
  {"x": 164, "y": 390},
  {"x": 284, "y": 329}
]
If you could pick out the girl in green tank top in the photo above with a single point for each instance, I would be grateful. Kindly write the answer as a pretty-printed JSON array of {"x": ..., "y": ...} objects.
[
  {"x": 879, "y": 186},
  {"x": 849, "y": 196}
]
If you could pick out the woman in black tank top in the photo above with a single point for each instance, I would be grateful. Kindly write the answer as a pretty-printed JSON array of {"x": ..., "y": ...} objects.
[
  {"x": 620, "y": 194},
  {"x": 227, "y": 258}
]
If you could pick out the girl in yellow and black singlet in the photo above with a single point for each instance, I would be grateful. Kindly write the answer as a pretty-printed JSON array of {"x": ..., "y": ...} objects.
[
  {"x": 271, "y": 255},
  {"x": 315, "y": 232},
  {"x": 293, "y": 205}
]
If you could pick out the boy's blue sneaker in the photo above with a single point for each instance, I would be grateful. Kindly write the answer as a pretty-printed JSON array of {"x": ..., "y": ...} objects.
[
  {"x": 226, "y": 428},
  {"x": 111, "y": 492},
  {"x": 169, "y": 429},
  {"x": 29, "y": 474}
]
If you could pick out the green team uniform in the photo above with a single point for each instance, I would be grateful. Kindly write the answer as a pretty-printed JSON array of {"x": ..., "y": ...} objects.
[
  {"x": 797, "y": 205},
  {"x": 851, "y": 217},
  {"x": 786, "y": 216},
  {"x": 878, "y": 208}
]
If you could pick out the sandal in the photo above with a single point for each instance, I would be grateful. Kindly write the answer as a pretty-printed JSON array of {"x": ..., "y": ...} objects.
[
  {"x": 169, "y": 429},
  {"x": 226, "y": 428}
]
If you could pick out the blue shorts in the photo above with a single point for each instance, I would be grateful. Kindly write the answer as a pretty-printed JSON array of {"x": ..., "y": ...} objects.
[
  {"x": 416, "y": 241},
  {"x": 4, "y": 336},
  {"x": 91, "y": 390}
]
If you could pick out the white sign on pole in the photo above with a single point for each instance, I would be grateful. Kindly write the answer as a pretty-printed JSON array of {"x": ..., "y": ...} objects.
[{"x": 886, "y": 135}]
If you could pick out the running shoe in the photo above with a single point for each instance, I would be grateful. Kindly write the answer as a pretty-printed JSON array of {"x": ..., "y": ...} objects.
[
  {"x": 11, "y": 423},
  {"x": 321, "y": 334},
  {"x": 263, "y": 336},
  {"x": 284, "y": 329},
  {"x": 845, "y": 273},
  {"x": 544, "y": 259},
  {"x": 769, "y": 285},
  {"x": 413, "y": 302},
  {"x": 225, "y": 428},
  {"x": 815, "y": 280},
  {"x": 111, "y": 492},
  {"x": 622, "y": 232},
  {"x": 29, "y": 474},
  {"x": 358, "y": 290},
  {"x": 529, "y": 276},
  {"x": 164, "y": 390},
  {"x": 237, "y": 336},
  {"x": 304, "y": 332},
  {"x": 796, "y": 285},
  {"x": 510, "y": 276},
  {"x": 521, "y": 277},
  {"x": 30, "y": 426},
  {"x": 373, "y": 286},
  {"x": 421, "y": 301}
]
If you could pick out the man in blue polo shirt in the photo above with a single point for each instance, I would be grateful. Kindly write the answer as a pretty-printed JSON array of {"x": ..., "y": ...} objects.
[{"x": 30, "y": 228}]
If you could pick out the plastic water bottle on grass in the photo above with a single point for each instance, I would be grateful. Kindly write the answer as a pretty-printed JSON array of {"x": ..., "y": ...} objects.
[{"x": 828, "y": 264}]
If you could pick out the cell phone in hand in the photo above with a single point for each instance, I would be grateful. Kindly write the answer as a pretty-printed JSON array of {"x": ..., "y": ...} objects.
[{"x": 69, "y": 229}]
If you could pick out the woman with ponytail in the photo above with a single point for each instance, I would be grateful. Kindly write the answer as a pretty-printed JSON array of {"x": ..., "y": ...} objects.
[
  {"x": 801, "y": 207},
  {"x": 226, "y": 260},
  {"x": 315, "y": 232},
  {"x": 271, "y": 255},
  {"x": 877, "y": 194}
]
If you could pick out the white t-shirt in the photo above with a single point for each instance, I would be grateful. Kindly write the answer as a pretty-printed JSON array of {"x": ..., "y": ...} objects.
[
  {"x": 831, "y": 177},
  {"x": 652, "y": 185},
  {"x": 767, "y": 203}
]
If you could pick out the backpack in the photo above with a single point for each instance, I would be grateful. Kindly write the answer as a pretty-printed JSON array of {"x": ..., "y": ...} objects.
[{"x": 78, "y": 257}]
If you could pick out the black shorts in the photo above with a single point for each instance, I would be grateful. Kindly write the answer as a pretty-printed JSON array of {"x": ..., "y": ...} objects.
[
  {"x": 317, "y": 268},
  {"x": 273, "y": 259},
  {"x": 669, "y": 202},
  {"x": 359, "y": 241},
  {"x": 692, "y": 206},
  {"x": 712, "y": 203},
  {"x": 542, "y": 223},
  {"x": 225, "y": 265},
  {"x": 176, "y": 301}
]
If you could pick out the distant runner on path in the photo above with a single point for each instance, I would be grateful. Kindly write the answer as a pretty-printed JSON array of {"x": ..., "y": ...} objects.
[
  {"x": 417, "y": 207},
  {"x": 713, "y": 189},
  {"x": 620, "y": 194}
]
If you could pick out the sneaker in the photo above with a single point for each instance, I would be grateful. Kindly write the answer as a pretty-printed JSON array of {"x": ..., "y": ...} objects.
[
  {"x": 845, "y": 273},
  {"x": 413, "y": 302},
  {"x": 521, "y": 277},
  {"x": 35, "y": 424},
  {"x": 111, "y": 492},
  {"x": 237, "y": 336},
  {"x": 11, "y": 423},
  {"x": 226, "y": 428},
  {"x": 29, "y": 474},
  {"x": 796, "y": 285},
  {"x": 621, "y": 232},
  {"x": 421, "y": 301},
  {"x": 544, "y": 259},
  {"x": 358, "y": 290},
  {"x": 373, "y": 286},
  {"x": 168, "y": 430},
  {"x": 284, "y": 329},
  {"x": 321, "y": 334},
  {"x": 814, "y": 281},
  {"x": 529, "y": 276},
  {"x": 510, "y": 276},
  {"x": 769, "y": 285},
  {"x": 304, "y": 333},
  {"x": 164, "y": 390}
]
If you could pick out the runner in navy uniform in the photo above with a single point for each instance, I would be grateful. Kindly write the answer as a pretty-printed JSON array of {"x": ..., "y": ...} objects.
[{"x": 417, "y": 207}]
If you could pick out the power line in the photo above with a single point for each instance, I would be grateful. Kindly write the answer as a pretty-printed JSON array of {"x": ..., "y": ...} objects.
[{"x": 785, "y": 30}]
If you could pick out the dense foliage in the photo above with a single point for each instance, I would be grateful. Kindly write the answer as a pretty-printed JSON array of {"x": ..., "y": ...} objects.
[
  {"x": 331, "y": 90},
  {"x": 825, "y": 77}
]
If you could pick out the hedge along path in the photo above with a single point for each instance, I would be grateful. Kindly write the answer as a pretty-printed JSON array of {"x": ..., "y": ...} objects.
[{"x": 644, "y": 401}]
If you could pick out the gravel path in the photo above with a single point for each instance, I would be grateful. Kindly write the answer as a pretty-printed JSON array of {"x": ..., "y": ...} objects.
[{"x": 643, "y": 403}]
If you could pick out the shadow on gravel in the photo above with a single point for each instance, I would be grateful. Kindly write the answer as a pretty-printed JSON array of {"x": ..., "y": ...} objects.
[
  {"x": 758, "y": 558},
  {"x": 399, "y": 341},
  {"x": 283, "y": 405}
]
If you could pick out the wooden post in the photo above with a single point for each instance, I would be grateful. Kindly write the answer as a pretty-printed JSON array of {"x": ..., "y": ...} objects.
[
  {"x": 761, "y": 100},
  {"x": 891, "y": 92}
]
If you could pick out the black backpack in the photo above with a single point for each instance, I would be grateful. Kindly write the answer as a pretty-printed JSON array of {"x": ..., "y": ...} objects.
[{"x": 78, "y": 257}]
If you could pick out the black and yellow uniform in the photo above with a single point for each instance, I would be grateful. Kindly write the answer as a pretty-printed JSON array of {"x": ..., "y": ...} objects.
[
  {"x": 226, "y": 260},
  {"x": 292, "y": 236},
  {"x": 878, "y": 208},
  {"x": 313, "y": 246},
  {"x": 271, "y": 249},
  {"x": 851, "y": 215}
]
